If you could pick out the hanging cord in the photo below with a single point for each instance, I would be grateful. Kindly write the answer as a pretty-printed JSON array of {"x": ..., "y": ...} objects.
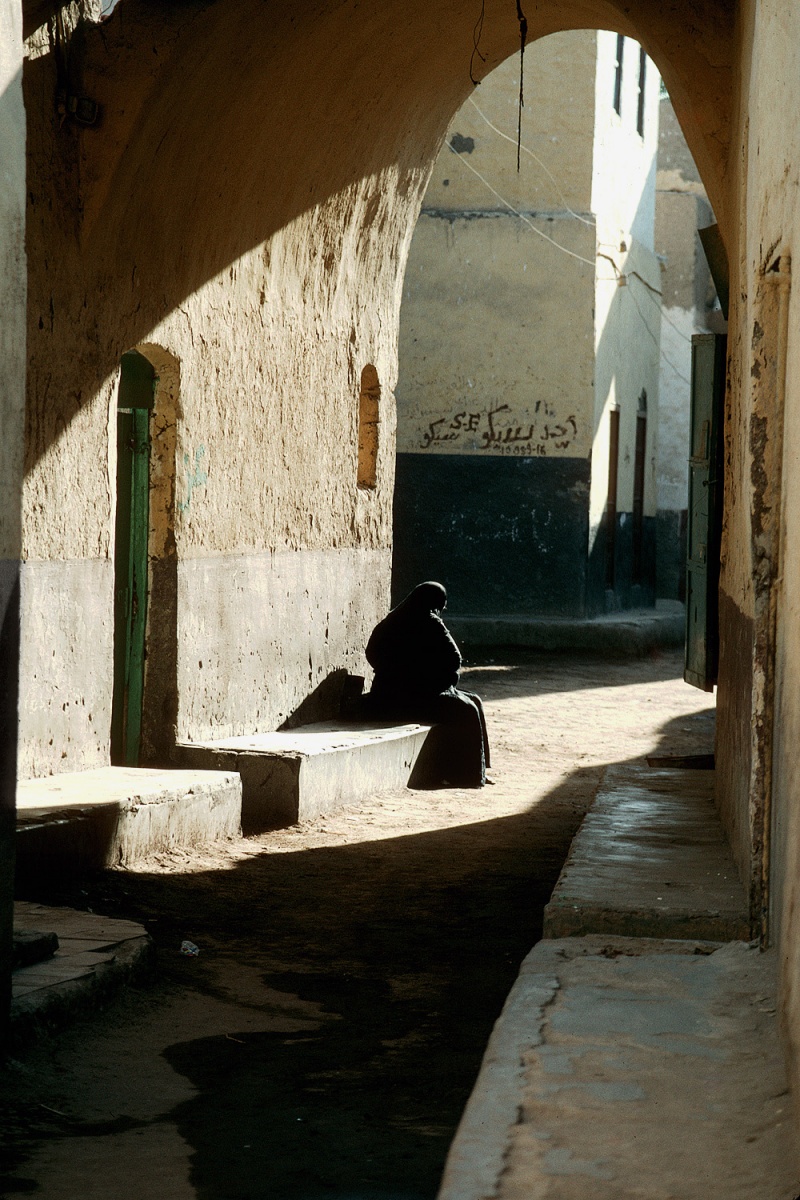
[
  {"x": 651, "y": 292},
  {"x": 523, "y": 37},
  {"x": 525, "y": 220},
  {"x": 536, "y": 159},
  {"x": 477, "y": 34}
]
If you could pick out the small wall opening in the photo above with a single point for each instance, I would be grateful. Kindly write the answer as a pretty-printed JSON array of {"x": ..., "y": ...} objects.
[{"x": 368, "y": 422}]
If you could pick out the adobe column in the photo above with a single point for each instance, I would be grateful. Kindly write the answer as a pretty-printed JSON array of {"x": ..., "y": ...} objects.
[{"x": 13, "y": 291}]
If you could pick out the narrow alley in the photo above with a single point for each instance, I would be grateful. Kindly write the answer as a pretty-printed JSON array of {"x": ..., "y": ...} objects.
[{"x": 326, "y": 1038}]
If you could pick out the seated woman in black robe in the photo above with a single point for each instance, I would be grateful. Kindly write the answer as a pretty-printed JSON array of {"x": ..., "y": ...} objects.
[{"x": 417, "y": 664}]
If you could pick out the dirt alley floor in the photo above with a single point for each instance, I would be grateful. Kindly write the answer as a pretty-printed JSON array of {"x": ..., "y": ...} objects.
[{"x": 324, "y": 1042}]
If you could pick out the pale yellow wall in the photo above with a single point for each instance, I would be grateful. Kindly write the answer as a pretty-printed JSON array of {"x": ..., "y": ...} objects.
[
  {"x": 559, "y": 94},
  {"x": 496, "y": 327},
  {"x": 266, "y": 468},
  {"x": 681, "y": 209},
  {"x": 493, "y": 314},
  {"x": 627, "y": 361},
  {"x": 624, "y": 170},
  {"x": 269, "y": 353},
  {"x": 496, "y": 321}
]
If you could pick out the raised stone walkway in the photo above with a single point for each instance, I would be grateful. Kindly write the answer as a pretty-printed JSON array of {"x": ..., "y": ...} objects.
[
  {"x": 650, "y": 860},
  {"x": 633, "y": 1067},
  {"x": 95, "y": 956}
]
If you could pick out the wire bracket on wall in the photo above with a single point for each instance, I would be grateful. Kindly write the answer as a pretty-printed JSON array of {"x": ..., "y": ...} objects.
[
  {"x": 68, "y": 99},
  {"x": 80, "y": 108}
]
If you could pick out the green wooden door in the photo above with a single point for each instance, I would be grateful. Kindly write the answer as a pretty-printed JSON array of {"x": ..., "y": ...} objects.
[
  {"x": 136, "y": 389},
  {"x": 705, "y": 510}
]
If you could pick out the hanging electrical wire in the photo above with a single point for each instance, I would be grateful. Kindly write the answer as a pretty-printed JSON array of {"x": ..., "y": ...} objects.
[
  {"x": 536, "y": 159},
  {"x": 656, "y": 342},
  {"x": 527, "y": 221},
  {"x": 523, "y": 37},
  {"x": 477, "y": 33}
]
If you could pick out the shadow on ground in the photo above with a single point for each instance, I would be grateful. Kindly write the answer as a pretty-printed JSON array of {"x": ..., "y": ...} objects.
[{"x": 406, "y": 948}]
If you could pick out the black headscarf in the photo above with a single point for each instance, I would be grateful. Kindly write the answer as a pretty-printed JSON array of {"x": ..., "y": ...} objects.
[{"x": 411, "y": 650}]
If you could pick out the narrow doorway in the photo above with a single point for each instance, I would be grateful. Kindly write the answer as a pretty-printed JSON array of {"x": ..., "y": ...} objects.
[
  {"x": 640, "y": 452},
  {"x": 611, "y": 499},
  {"x": 134, "y": 405}
]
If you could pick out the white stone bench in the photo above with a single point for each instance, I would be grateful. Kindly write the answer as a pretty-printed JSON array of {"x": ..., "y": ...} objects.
[
  {"x": 298, "y": 774},
  {"x": 113, "y": 816}
]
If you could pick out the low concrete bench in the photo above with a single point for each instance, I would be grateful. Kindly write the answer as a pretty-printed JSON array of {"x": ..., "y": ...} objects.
[
  {"x": 301, "y": 773},
  {"x": 114, "y": 816}
]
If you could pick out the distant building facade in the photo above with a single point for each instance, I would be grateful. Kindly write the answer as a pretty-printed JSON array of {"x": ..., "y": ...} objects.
[
  {"x": 527, "y": 393},
  {"x": 688, "y": 306}
]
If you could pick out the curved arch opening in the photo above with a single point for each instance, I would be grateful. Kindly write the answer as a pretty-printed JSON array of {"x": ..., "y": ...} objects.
[{"x": 531, "y": 330}]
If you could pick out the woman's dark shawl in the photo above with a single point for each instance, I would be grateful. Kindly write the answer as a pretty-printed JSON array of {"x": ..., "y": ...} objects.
[{"x": 411, "y": 650}]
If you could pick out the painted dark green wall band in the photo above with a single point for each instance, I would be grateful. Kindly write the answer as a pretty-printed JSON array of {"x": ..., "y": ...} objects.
[{"x": 511, "y": 536}]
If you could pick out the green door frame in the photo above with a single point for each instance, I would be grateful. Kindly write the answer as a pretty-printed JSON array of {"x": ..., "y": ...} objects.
[{"x": 135, "y": 402}]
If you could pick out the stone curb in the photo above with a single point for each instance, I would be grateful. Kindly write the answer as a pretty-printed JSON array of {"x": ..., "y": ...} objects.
[
  {"x": 51, "y": 1008},
  {"x": 619, "y": 635}
]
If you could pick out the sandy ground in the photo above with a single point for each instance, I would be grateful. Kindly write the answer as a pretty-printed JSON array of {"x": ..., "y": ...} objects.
[{"x": 325, "y": 1040}]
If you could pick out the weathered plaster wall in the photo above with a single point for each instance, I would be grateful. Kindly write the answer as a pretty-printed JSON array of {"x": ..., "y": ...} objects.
[
  {"x": 269, "y": 355},
  {"x": 496, "y": 348},
  {"x": 555, "y": 172},
  {"x": 504, "y": 346},
  {"x": 624, "y": 163},
  {"x": 767, "y": 346},
  {"x": 627, "y": 361},
  {"x": 757, "y": 602},
  {"x": 266, "y": 463},
  {"x": 242, "y": 669},
  {"x": 245, "y": 202},
  {"x": 496, "y": 338},
  {"x": 12, "y": 406},
  {"x": 483, "y": 294}
]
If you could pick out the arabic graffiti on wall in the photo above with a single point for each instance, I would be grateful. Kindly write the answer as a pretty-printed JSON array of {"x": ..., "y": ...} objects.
[{"x": 497, "y": 431}]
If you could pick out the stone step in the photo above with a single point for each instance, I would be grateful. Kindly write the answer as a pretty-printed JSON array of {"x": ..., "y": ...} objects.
[
  {"x": 31, "y": 946},
  {"x": 114, "y": 816},
  {"x": 299, "y": 774},
  {"x": 650, "y": 860},
  {"x": 95, "y": 957},
  {"x": 629, "y": 633}
]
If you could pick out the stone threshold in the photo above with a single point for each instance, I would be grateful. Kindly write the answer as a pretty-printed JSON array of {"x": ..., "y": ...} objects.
[{"x": 629, "y": 633}]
